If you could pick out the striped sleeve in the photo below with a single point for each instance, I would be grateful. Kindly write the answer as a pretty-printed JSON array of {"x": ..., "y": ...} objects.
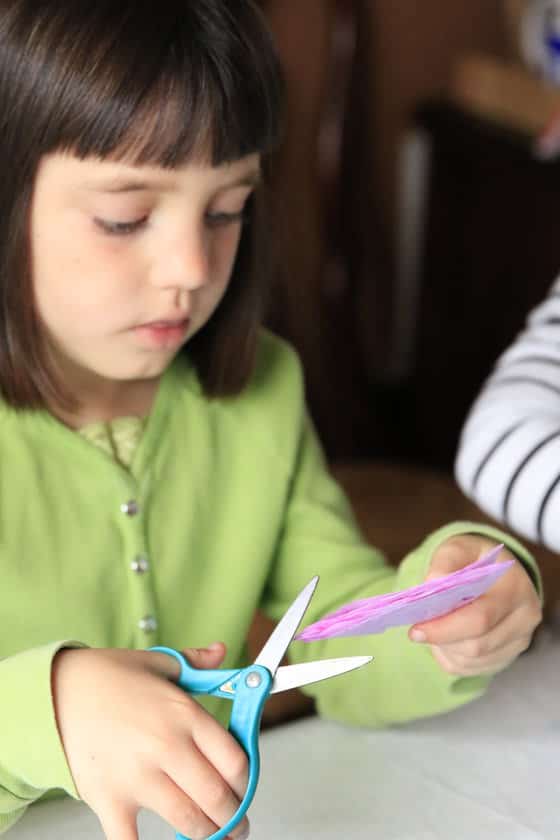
[{"x": 508, "y": 461}]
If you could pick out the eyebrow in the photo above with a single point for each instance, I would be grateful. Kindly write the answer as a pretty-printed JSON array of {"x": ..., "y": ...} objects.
[{"x": 120, "y": 184}]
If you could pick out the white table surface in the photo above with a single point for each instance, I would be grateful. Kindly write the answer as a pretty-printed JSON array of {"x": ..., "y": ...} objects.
[{"x": 489, "y": 771}]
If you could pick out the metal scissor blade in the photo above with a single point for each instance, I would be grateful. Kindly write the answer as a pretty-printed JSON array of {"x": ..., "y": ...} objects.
[
  {"x": 293, "y": 676},
  {"x": 278, "y": 641}
]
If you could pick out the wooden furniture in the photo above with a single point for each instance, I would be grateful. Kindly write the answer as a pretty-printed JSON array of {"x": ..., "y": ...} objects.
[
  {"x": 350, "y": 98},
  {"x": 313, "y": 303},
  {"x": 491, "y": 252}
]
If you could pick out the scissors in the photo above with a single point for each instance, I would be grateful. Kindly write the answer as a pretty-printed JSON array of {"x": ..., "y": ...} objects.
[{"x": 248, "y": 688}]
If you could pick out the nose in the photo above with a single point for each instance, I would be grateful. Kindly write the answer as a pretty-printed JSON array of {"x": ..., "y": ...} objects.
[{"x": 185, "y": 264}]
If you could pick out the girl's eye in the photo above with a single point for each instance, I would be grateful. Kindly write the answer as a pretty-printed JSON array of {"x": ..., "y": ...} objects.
[
  {"x": 214, "y": 220},
  {"x": 120, "y": 228}
]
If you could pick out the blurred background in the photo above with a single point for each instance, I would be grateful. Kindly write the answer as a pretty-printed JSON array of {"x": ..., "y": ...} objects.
[{"x": 416, "y": 227}]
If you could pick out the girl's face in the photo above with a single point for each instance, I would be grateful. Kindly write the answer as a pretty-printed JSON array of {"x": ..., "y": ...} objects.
[{"x": 130, "y": 262}]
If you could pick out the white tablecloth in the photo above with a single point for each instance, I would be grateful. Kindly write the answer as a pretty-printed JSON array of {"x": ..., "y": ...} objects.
[{"x": 490, "y": 771}]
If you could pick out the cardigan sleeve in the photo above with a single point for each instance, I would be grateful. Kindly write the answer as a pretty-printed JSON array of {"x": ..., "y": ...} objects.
[
  {"x": 320, "y": 537},
  {"x": 32, "y": 759}
]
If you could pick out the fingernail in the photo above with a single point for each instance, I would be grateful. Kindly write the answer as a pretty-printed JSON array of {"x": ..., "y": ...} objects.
[
  {"x": 244, "y": 834},
  {"x": 417, "y": 635},
  {"x": 215, "y": 646}
]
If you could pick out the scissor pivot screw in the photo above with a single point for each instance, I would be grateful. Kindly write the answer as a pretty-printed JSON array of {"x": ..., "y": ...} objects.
[{"x": 253, "y": 680}]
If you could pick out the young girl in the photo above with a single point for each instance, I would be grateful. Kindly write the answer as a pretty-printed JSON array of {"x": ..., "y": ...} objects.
[{"x": 159, "y": 477}]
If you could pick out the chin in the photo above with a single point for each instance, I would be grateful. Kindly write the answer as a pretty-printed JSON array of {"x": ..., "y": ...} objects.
[
  {"x": 135, "y": 373},
  {"x": 155, "y": 368},
  {"x": 145, "y": 373}
]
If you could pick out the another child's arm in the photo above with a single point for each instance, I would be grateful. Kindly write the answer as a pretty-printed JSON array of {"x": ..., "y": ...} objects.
[{"x": 509, "y": 452}]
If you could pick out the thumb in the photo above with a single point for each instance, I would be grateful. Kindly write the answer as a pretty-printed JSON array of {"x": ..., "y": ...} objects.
[
  {"x": 209, "y": 657},
  {"x": 456, "y": 553},
  {"x": 203, "y": 658}
]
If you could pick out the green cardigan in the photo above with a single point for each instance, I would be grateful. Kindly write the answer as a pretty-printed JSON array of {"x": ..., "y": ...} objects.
[{"x": 227, "y": 506}]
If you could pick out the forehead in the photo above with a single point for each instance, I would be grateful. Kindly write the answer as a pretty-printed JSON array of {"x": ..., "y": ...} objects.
[{"x": 96, "y": 175}]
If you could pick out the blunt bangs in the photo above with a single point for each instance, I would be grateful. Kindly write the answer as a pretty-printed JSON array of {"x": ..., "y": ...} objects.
[{"x": 204, "y": 84}]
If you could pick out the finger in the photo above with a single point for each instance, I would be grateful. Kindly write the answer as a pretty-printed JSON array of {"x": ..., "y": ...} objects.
[
  {"x": 119, "y": 823},
  {"x": 167, "y": 666},
  {"x": 472, "y": 621},
  {"x": 458, "y": 552},
  {"x": 223, "y": 752},
  {"x": 520, "y": 624},
  {"x": 193, "y": 772},
  {"x": 459, "y": 665},
  {"x": 177, "y": 808},
  {"x": 512, "y": 596},
  {"x": 506, "y": 652},
  {"x": 210, "y": 657}
]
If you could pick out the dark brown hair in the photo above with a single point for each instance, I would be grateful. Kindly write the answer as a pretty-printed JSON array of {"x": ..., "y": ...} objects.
[{"x": 152, "y": 82}]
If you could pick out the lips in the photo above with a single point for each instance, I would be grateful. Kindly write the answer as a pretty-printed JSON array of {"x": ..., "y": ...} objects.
[
  {"x": 166, "y": 323},
  {"x": 163, "y": 333}
]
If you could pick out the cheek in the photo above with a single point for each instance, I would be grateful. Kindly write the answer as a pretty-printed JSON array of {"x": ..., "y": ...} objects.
[{"x": 85, "y": 272}]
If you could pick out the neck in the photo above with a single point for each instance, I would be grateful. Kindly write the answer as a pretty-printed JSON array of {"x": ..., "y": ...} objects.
[{"x": 108, "y": 401}]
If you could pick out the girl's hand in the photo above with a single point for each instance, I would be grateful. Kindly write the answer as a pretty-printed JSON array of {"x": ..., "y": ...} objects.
[
  {"x": 134, "y": 739},
  {"x": 489, "y": 633}
]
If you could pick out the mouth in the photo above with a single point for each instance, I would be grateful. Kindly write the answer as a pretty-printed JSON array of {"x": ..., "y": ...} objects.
[
  {"x": 165, "y": 323},
  {"x": 166, "y": 333}
]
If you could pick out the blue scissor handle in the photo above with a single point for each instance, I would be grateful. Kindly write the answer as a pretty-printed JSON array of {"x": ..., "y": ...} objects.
[{"x": 249, "y": 689}]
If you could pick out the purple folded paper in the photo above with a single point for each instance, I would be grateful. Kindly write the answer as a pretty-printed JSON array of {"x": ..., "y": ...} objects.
[{"x": 411, "y": 606}]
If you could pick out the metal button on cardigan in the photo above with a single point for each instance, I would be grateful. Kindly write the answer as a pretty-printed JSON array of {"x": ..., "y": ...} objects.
[
  {"x": 131, "y": 508},
  {"x": 148, "y": 624},
  {"x": 140, "y": 564}
]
